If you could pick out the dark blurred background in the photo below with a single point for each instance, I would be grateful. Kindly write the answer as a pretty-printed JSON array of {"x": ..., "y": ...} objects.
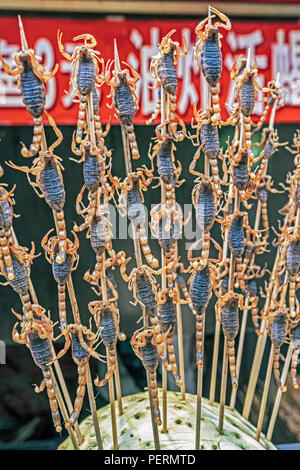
[{"x": 25, "y": 420}]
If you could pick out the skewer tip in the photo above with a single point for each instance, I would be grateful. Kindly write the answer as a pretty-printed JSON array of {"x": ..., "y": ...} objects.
[
  {"x": 116, "y": 57},
  {"x": 24, "y": 43},
  {"x": 248, "y": 63}
]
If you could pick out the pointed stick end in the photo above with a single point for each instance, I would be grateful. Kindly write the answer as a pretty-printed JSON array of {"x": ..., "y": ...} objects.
[
  {"x": 116, "y": 57},
  {"x": 248, "y": 63},
  {"x": 277, "y": 82},
  {"x": 24, "y": 43}
]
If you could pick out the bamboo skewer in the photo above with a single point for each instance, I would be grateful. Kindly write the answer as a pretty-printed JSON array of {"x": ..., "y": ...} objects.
[
  {"x": 137, "y": 249},
  {"x": 261, "y": 341},
  {"x": 200, "y": 369}
]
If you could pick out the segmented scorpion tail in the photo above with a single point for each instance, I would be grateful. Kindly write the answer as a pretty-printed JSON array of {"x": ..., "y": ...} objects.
[
  {"x": 6, "y": 255},
  {"x": 247, "y": 136},
  {"x": 62, "y": 305},
  {"x": 169, "y": 206},
  {"x": 62, "y": 236},
  {"x": 262, "y": 119},
  {"x": 132, "y": 141},
  {"x": 37, "y": 139},
  {"x": 81, "y": 118},
  {"x": 199, "y": 340},
  {"x": 292, "y": 296},
  {"x": 216, "y": 116},
  {"x": 172, "y": 114},
  {"x": 154, "y": 396},
  {"x": 265, "y": 220},
  {"x": 91, "y": 212},
  {"x": 170, "y": 257},
  {"x": 156, "y": 112},
  {"x": 294, "y": 367},
  {"x": 232, "y": 364},
  {"x": 172, "y": 360},
  {"x": 151, "y": 260},
  {"x": 96, "y": 274},
  {"x": 276, "y": 370},
  {"x": 188, "y": 298},
  {"x": 254, "y": 316},
  {"x": 215, "y": 175},
  {"x": 27, "y": 305},
  {"x": 112, "y": 367},
  {"x": 80, "y": 392},
  {"x": 239, "y": 272},
  {"x": 52, "y": 399},
  {"x": 205, "y": 246}
]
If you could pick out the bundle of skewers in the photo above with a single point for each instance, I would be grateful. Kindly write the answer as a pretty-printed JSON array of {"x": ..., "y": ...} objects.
[{"x": 228, "y": 185}]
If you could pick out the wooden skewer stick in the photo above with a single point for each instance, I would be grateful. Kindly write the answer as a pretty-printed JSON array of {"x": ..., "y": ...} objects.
[
  {"x": 24, "y": 43},
  {"x": 279, "y": 392},
  {"x": 230, "y": 288},
  {"x": 270, "y": 364},
  {"x": 261, "y": 340},
  {"x": 200, "y": 369},
  {"x": 213, "y": 379},
  {"x": 137, "y": 249}
]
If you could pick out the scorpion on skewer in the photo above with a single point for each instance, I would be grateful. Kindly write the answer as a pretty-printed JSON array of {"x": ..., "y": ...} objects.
[
  {"x": 278, "y": 333},
  {"x": 49, "y": 185},
  {"x": 131, "y": 202},
  {"x": 107, "y": 318},
  {"x": 37, "y": 334},
  {"x": 85, "y": 74},
  {"x": 61, "y": 271},
  {"x": 210, "y": 145},
  {"x": 163, "y": 70},
  {"x": 227, "y": 312},
  {"x": 82, "y": 341},
  {"x": 146, "y": 350},
  {"x": 208, "y": 47},
  {"x": 31, "y": 79},
  {"x": 124, "y": 99}
]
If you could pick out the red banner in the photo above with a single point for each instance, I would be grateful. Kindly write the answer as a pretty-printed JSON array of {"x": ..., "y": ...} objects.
[{"x": 276, "y": 47}]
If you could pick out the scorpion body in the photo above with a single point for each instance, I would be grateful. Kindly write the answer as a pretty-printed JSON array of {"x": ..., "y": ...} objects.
[
  {"x": 20, "y": 270},
  {"x": 167, "y": 320},
  {"x": 51, "y": 183},
  {"x": 278, "y": 330},
  {"x": 230, "y": 324},
  {"x": 209, "y": 138},
  {"x": 206, "y": 208},
  {"x": 164, "y": 160},
  {"x": 236, "y": 243},
  {"x": 200, "y": 294},
  {"x": 108, "y": 335},
  {"x": 241, "y": 173},
  {"x": 6, "y": 213},
  {"x": 92, "y": 170}
]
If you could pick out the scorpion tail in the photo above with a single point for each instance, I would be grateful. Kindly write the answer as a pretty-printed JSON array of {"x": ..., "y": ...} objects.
[
  {"x": 172, "y": 361},
  {"x": 254, "y": 316},
  {"x": 154, "y": 396},
  {"x": 36, "y": 141},
  {"x": 294, "y": 368},
  {"x": 215, "y": 176},
  {"x": 151, "y": 260},
  {"x": 62, "y": 237},
  {"x": 81, "y": 118},
  {"x": 62, "y": 305},
  {"x": 276, "y": 371},
  {"x": 111, "y": 369},
  {"x": 79, "y": 396},
  {"x": 6, "y": 255},
  {"x": 199, "y": 340},
  {"x": 239, "y": 272},
  {"x": 156, "y": 112},
  {"x": 232, "y": 364},
  {"x": 247, "y": 134},
  {"x": 132, "y": 141},
  {"x": 52, "y": 399},
  {"x": 216, "y": 117}
]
